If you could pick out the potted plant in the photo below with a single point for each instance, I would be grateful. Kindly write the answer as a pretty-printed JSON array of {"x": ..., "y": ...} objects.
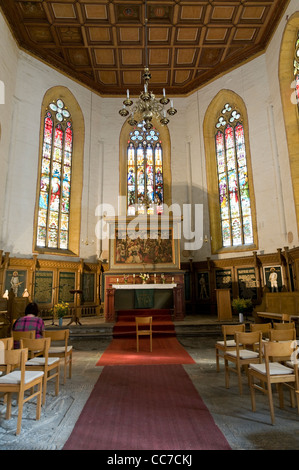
[
  {"x": 60, "y": 310},
  {"x": 240, "y": 306}
]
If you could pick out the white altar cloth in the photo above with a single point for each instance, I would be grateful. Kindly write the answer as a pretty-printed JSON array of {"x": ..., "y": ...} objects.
[{"x": 144, "y": 286}]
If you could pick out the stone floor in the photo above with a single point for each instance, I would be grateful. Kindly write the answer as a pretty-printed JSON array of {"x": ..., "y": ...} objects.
[{"x": 243, "y": 429}]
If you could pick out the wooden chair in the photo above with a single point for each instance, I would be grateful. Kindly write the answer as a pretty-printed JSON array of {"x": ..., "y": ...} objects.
[
  {"x": 286, "y": 317},
  {"x": 283, "y": 326},
  {"x": 45, "y": 363},
  {"x": 282, "y": 335},
  {"x": 20, "y": 381},
  {"x": 64, "y": 351},
  {"x": 272, "y": 372},
  {"x": 228, "y": 342},
  {"x": 264, "y": 328},
  {"x": 144, "y": 328},
  {"x": 242, "y": 356},
  {"x": 17, "y": 335}
]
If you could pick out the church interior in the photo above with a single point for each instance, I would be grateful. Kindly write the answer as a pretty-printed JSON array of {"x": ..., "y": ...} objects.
[{"x": 149, "y": 167}]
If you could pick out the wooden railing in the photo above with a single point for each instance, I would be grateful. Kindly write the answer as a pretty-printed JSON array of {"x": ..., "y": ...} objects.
[{"x": 86, "y": 311}]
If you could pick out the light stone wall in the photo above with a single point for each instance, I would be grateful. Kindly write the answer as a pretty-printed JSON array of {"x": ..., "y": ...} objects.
[
  {"x": 9, "y": 55},
  {"x": 27, "y": 80}
]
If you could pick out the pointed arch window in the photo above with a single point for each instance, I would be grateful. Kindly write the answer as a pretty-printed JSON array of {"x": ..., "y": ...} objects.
[
  {"x": 296, "y": 69},
  {"x": 233, "y": 186},
  {"x": 55, "y": 178},
  {"x": 145, "y": 187}
]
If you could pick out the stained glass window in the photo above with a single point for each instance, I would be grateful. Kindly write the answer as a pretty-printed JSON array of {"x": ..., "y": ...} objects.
[
  {"x": 234, "y": 195},
  {"x": 144, "y": 172},
  {"x": 296, "y": 68},
  {"x": 55, "y": 178}
]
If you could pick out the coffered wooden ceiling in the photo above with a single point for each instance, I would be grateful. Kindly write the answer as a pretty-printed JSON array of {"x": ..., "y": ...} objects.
[{"x": 101, "y": 42}]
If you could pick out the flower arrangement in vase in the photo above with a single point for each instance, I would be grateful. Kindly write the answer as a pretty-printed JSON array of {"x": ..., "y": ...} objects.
[
  {"x": 60, "y": 310},
  {"x": 144, "y": 277},
  {"x": 241, "y": 305}
]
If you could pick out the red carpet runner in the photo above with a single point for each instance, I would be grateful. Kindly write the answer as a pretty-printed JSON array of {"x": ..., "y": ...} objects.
[
  {"x": 165, "y": 351},
  {"x": 145, "y": 408}
]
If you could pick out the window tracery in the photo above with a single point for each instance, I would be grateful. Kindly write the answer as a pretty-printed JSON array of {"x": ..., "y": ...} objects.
[
  {"x": 145, "y": 186},
  {"x": 233, "y": 186},
  {"x": 55, "y": 178}
]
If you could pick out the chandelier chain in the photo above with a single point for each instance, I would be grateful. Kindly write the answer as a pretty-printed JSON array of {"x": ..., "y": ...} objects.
[{"x": 147, "y": 106}]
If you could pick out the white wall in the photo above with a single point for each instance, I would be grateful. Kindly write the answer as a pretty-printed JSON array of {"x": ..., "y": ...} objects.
[{"x": 8, "y": 72}]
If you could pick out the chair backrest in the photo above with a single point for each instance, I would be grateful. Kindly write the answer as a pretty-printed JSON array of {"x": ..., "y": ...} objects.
[
  {"x": 264, "y": 328},
  {"x": 230, "y": 330},
  {"x": 143, "y": 321},
  {"x": 17, "y": 335},
  {"x": 284, "y": 326},
  {"x": 6, "y": 343},
  {"x": 16, "y": 358},
  {"x": 285, "y": 317},
  {"x": 282, "y": 335},
  {"x": 57, "y": 335},
  {"x": 36, "y": 347},
  {"x": 286, "y": 349},
  {"x": 248, "y": 339}
]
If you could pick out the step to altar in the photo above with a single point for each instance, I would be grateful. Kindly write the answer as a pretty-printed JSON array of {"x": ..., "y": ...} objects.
[{"x": 162, "y": 323}]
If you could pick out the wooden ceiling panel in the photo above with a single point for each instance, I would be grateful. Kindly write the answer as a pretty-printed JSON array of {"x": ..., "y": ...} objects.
[
  {"x": 187, "y": 35},
  {"x": 159, "y": 35},
  {"x": 102, "y": 42},
  {"x": 99, "y": 35},
  {"x": 131, "y": 57},
  {"x": 94, "y": 12},
  {"x": 40, "y": 34},
  {"x": 65, "y": 11},
  {"x": 104, "y": 57},
  {"x": 129, "y": 35},
  {"x": 160, "y": 57},
  {"x": 69, "y": 35}
]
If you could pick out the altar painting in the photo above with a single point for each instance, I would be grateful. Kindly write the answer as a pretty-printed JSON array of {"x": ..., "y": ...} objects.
[{"x": 146, "y": 248}]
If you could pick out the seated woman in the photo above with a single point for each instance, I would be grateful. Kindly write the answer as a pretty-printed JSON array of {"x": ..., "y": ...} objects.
[{"x": 30, "y": 321}]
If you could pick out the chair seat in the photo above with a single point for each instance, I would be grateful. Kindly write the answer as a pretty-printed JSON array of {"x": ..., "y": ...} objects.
[
  {"x": 230, "y": 343},
  {"x": 243, "y": 354},
  {"x": 40, "y": 361},
  {"x": 59, "y": 349},
  {"x": 15, "y": 377},
  {"x": 275, "y": 368}
]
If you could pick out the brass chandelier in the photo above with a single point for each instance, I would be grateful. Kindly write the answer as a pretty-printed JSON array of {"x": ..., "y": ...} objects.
[{"x": 147, "y": 106}]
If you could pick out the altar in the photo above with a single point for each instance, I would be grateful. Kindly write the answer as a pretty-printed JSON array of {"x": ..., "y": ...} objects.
[
  {"x": 128, "y": 296},
  {"x": 144, "y": 266}
]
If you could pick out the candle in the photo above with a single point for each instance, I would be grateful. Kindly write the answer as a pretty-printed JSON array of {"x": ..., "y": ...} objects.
[
  {"x": 117, "y": 280},
  {"x": 171, "y": 103},
  {"x": 128, "y": 94},
  {"x": 164, "y": 92}
]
